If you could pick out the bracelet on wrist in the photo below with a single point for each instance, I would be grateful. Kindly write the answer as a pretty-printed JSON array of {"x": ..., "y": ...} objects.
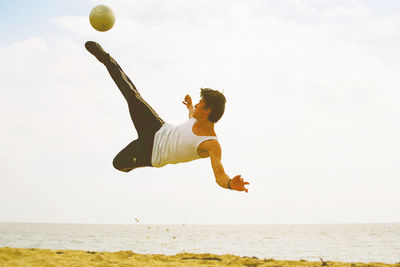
[{"x": 229, "y": 184}]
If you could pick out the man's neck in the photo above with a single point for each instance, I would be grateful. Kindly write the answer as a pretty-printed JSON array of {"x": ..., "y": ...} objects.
[{"x": 204, "y": 127}]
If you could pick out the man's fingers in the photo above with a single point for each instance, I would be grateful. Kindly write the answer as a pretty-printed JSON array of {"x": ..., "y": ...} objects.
[
  {"x": 246, "y": 183},
  {"x": 245, "y": 189},
  {"x": 188, "y": 99}
]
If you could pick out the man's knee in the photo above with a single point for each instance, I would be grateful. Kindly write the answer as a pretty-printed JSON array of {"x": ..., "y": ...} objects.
[{"x": 119, "y": 166}]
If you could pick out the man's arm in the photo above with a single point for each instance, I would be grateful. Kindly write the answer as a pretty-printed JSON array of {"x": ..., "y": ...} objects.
[
  {"x": 222, "y": 179},
  {"x": 188, "y": 103}
]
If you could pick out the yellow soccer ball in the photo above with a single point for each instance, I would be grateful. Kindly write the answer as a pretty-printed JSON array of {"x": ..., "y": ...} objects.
[{"x": 102, "y": 18}]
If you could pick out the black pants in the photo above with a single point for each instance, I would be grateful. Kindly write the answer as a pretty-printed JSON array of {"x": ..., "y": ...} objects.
[{"x": 145, "y": 119}]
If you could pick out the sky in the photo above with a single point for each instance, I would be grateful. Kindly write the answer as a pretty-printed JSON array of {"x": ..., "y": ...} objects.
[{"x": 311, "y": 120}]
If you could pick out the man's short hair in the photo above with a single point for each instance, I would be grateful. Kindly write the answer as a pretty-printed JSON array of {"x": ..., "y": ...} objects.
[{"x": 215, "y": 101}]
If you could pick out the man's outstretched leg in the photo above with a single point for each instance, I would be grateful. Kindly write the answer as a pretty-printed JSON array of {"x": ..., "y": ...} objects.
[{"x": 145, "y": 119}]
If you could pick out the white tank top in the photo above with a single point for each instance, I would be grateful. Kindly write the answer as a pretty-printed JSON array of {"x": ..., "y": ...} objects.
[{"x": 176, "y": 144}]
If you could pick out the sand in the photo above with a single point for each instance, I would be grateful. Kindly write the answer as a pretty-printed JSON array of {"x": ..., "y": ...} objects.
[{"x": 70, "y": 258}]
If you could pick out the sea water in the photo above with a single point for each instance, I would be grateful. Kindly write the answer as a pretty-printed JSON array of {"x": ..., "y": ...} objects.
[{"x": 339, "y": 242}]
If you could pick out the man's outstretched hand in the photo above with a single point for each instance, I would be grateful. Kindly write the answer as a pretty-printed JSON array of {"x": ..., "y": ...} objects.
[{"x": 238, "y": 184}]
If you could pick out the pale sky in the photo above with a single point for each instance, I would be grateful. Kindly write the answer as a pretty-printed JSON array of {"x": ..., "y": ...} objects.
[{"x": 311, "y": 121}]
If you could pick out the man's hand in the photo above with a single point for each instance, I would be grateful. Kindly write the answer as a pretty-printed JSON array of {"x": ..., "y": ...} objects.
[
  {"x": 238, "y": 184},
  {"x": 188, "y": 101}
]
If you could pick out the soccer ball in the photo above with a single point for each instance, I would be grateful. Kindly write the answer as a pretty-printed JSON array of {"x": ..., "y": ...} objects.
[{"x": 102, "y": 18}]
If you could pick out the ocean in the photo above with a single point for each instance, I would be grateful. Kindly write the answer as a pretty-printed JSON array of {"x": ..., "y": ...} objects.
[{"x": 331, "y": 242}]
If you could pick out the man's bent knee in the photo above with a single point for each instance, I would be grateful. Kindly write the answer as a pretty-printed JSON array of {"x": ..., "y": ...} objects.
[{"x": 117, "y": 165}]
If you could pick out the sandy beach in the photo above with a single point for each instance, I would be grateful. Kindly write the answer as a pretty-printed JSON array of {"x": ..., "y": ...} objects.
[{"x": 48, "y": 257}]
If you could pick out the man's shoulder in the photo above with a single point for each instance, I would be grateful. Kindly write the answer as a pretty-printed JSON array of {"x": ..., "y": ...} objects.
[{"x": 210, "y": 145}]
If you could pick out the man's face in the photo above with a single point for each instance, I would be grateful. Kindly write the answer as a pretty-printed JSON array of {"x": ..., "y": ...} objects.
[{"x": 199, "y": 111}]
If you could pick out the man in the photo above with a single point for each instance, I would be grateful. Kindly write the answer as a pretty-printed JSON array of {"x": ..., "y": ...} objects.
[{"x": 160, "y": 143}]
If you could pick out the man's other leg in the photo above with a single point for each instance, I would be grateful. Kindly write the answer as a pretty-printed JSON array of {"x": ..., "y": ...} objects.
[{"x": 134, "y": 155}]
